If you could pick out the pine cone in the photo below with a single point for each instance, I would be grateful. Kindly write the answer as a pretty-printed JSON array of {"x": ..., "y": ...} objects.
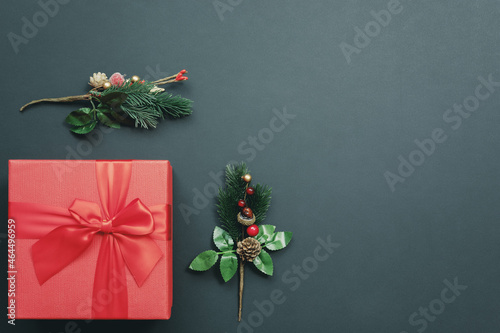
[
  {"x": 248, "y": 249},
  {"x": 98, "y": 79}
]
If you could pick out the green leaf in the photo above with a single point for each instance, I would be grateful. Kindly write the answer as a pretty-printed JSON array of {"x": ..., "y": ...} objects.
[
  {"x": 106, "y": 120},
  {"x": 228, "y": 265},
  {"x": 85, "y": 110},
  {"x": 84, "y": 129},
  {"x": 204, "y": 261},
  {"x": 264, "y": 263},
  {"x": 222, "y": 239},
  {"x": 279, "y": 240},
  {"x": 114, "y": 99},
  {"x": 79, "y": 117},
  {"x": 265, "y": 233}
]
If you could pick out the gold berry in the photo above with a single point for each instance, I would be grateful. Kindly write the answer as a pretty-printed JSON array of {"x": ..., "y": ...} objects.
[
  {"x": 247, "y": 178},
  {"x": 106, "y": 85},
  {"x": 134, "y": 78}
]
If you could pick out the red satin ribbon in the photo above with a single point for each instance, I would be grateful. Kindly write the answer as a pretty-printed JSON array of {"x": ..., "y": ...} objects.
[{"x": 128, "y": 232}]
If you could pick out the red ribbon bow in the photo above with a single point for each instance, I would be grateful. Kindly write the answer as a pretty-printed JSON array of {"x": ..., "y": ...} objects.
[{"x": 126, "y": 240}]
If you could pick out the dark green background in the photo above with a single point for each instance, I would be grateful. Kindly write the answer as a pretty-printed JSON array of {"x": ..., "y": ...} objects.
[{"x": 326, "y": 167}]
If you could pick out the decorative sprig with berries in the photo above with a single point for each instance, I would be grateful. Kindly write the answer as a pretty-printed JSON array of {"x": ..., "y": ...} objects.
[
  {"x": 242, "y": 207},
  {"x": 119, "y": 101}
]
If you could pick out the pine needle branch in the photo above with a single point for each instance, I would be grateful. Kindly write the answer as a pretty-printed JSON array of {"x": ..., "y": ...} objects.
[
  {"x": 133, "y": 102},
  {"x": 146, "y": 107},
  {"x": 234, "y": 191},
  {"x": 260, "y": 202}
]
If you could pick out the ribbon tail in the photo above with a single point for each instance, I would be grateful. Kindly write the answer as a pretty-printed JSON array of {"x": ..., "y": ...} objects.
[
  {"x": 110, "y": 296},
  {"x": 141, "y": 254},
  {"x": 49, "y": 259}
]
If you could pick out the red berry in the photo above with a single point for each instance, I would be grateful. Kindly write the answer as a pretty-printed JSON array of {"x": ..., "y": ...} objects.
[
  {"x": 242, "y": 203},
  {"x": 250, "y": 191},
  {"x": 180, "y": 77},
  {"x": 247, "y": 212},
  {"x": 253, "y": 230}
]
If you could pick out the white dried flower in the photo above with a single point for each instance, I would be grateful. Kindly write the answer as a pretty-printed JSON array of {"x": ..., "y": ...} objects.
[
  {"x": 156, "y": 89},
  {"x": 98, "y": 79}
]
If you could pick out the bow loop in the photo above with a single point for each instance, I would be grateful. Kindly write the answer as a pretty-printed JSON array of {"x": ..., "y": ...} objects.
[
  {"x": 134, "y": 219},
  {"x": 86, "y": 212}
]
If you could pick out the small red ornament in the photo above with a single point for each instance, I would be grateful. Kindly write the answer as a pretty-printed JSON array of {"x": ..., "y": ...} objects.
[
  {"x": 242, "y": 203},
  {"x": 180, "y": 77},
  {"x": 253, "y": 230},
  {"x": 247, "y": 212},
  {"x": 250, "y": 191}
]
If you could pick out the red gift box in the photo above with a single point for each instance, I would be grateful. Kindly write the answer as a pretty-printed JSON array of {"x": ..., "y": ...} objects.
[{"x": 91, "y": 239}]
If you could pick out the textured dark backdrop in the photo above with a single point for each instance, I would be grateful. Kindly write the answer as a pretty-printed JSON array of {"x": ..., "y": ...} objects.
[{"x": 360, "y": 101}]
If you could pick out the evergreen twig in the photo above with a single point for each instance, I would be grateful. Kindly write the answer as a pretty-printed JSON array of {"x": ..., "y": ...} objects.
[
  {"x": 228, "y": 197},
  {"x": 250, "y": 249},
  {"x": 141, "y": 101},
  {"x": 234, "y": 191},
  {"x": 146, "y": 107}
]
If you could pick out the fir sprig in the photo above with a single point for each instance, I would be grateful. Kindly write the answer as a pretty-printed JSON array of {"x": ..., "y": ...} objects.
[
  {"x": 138, "y": 103},
  {"x": 227, "y": 214},
  {"x": 234, "y": 248},
  {"x": 228, "y": 196},
  {"x": 260, "y": 201}
]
